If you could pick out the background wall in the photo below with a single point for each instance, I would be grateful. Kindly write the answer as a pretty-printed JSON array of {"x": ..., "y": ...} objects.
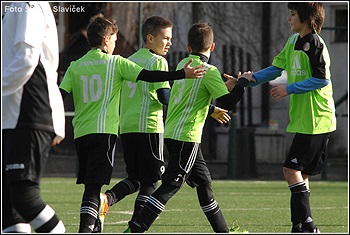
[{"x": 247, "y": 35}]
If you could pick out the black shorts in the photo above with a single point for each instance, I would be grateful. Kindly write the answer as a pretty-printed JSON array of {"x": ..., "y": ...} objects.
[
  {"x": 143, "y": 155},
  {"x": 307, "y": 153},
  {"x": 25, "y": 153},
  {"x": 186, "y": 163},
  {"x": 96, "y": 158}
]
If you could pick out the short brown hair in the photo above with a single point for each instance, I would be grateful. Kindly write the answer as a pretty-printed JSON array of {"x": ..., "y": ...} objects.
[
  {"x": 200, "y": 36},
  {"x": 100, "y": 27},
  {"x": 313, "y": 12},
  {"x": 153, "y": 25}
]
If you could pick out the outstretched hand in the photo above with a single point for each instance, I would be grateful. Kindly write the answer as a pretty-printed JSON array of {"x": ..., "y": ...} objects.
[
  {"x": 220, "y": 115},
  {"x": 194, "y": 72},
  {"x": 231, "y": 81},
  {"x": 248, "y": 75}
]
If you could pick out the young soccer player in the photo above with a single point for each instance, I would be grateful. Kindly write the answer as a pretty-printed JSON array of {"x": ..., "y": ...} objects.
[
  {"x": 95, "y": 81},
  {"x": 141, "y": 119},
  {"x": 32, "y": 115},
  {"x": 187, "y": 111},
  {"x": 312, "y": 113}
]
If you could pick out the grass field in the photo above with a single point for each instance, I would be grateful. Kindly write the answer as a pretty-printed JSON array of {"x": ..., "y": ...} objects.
[{"x": 256, "y": 206}]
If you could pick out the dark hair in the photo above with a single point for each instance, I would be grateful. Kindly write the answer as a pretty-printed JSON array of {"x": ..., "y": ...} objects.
[
  {"x": 200, "y": 36},
  {"x": 100, "y": 27},
  {"x": 313, "y": 12},
  {"x": 153, "y": 25}
]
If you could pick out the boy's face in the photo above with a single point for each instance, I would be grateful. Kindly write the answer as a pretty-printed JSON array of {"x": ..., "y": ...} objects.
[
  {"x": 294, "y": 21},
  {"x": 160, "y": 43}
]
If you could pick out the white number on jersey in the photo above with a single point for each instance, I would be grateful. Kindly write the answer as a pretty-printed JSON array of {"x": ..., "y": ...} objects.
[
  {"x": 181, "y": 83},
  {"x": 92, "y": 89},
  {"x": 132, "y": 86}
]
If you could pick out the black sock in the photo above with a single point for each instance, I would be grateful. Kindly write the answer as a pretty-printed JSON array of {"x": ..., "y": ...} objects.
[
  {"x": 145, "y": 191},
  {"x": 138, "y": 207},
  {"x": 88, "y": 216},
  {"x": 308, "y": 224},
  {"x": 211, "y": 208},
  {"x": 154, "y": 205},
  {"x": 147, "y": 216},
  {"x": 120, "y": 190},
  {"x": 89, "y": 208},
  {"x": 300, "y": 207},
  {"x": 217, "y": 221}
]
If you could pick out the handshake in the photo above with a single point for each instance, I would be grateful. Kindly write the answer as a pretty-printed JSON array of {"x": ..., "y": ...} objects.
[{"x": 232, "y": 81}]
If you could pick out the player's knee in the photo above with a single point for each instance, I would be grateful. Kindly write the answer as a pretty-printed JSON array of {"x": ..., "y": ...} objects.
[
  {"x": 205, "y": 194},
  {"x": 165, "y": 192},
  {"x": 152, "y": 185},
  {"x": 135, "y": 184},
  {"x": 26, "y": 199},
  {"x": 291, "y": 175},
  {"x": 147, "y": 189}
]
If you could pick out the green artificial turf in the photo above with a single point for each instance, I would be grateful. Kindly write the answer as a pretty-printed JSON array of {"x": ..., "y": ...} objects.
[{"x": 255, "y": 206}]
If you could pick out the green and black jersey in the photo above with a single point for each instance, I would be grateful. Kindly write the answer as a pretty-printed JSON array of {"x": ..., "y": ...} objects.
[{"x": 311, "y": 112}]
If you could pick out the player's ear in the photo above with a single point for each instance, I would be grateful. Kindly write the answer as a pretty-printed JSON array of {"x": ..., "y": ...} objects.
[
  {"x": 105, "y": 40},
  {"x": 149, "y": 38},
  {"x": 189, "y": 49},
  {"x": 212, "y": 47}
]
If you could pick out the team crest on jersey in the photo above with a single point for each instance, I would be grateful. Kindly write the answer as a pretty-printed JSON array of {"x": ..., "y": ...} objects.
[{"x": 306, "y": 46}]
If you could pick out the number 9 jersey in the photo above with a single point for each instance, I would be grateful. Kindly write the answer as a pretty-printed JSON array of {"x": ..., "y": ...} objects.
[{"x": 140, "y": 109}]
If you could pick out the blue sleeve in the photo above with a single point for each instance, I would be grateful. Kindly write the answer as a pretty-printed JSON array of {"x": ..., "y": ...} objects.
[
  {"x": 265, "y": 75},
  {"x": 163, "y": 95},
  {"x": 307, "y": 85}
]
